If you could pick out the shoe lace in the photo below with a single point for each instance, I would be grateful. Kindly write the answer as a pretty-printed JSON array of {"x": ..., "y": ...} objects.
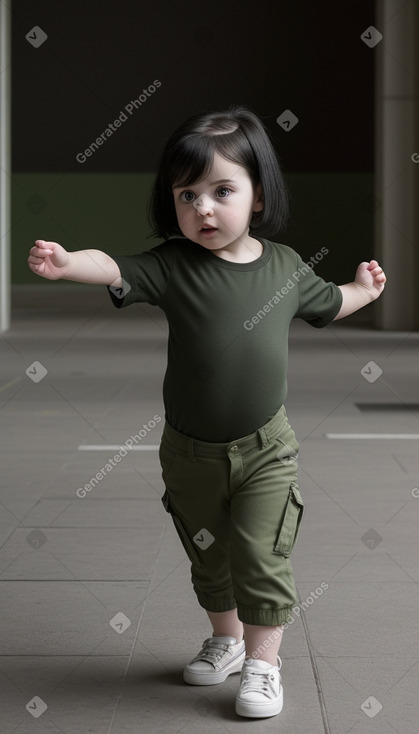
[
  {"x": 259, "y": 681},
  {"x": 212, "y": 651}
]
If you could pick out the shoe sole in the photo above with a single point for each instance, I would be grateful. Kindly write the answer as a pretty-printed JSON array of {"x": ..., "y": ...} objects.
[
  {"x": 260, "y": 710},
  {"x": 205, "y": 678}
]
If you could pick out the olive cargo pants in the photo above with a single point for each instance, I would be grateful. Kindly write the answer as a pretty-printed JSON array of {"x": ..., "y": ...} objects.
[{"x": 237, "y": 509}]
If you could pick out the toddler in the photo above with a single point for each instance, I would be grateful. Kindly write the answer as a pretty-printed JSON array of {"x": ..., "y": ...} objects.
[{"x": 228, "y": 452}]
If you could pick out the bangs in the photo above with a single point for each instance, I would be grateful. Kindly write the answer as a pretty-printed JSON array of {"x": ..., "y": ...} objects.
[
  {"x": 193, "y": 156},
  {"x": 191, "y": 162}
]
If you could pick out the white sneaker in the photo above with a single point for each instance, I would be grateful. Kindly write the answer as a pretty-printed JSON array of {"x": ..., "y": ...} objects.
[
  {"x": 260, "y": 691},
  {"x": 220, "y": 656}
]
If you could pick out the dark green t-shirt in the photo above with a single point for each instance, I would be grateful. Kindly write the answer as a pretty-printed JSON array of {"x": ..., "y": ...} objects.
[{"x": 228, "y": 329}]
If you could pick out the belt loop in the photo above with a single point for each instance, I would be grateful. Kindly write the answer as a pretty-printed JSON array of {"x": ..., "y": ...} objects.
[
  {"x": 263, "y": 439},
  {"x": 190, "y": 450}
]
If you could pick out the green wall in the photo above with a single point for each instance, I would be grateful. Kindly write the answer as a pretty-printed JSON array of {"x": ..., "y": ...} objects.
[{"x": 108, "y": 212}]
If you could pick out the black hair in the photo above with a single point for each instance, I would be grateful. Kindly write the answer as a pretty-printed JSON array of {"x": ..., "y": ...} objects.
[{"x": 238, "y": 135}]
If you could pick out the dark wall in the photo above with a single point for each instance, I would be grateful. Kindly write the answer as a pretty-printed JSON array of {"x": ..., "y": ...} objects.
[
  {"x": 98, "y": 57},
  {"x": 271, "y": 55}
]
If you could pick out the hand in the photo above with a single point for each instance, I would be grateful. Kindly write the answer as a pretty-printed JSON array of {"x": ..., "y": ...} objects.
[
  {"x": 371, "y": 276},
  {"x": 48, "y": 259}
]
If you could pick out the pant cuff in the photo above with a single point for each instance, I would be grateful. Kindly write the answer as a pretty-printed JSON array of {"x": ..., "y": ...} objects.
[
  {"x": 264, "y": 617},
  {"x": 215, "y": 603}
]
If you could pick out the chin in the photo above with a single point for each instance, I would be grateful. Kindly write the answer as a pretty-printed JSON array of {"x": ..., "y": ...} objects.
[{"x": 212, "y": 246}]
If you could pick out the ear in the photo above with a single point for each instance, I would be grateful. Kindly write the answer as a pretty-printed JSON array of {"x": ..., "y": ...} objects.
[{"x": 258, "y": 199}]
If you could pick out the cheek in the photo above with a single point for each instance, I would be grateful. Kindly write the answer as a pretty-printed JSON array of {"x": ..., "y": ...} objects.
[
  {"x": 185, "y": 215},
  {"x": 185, "y": 219},
  {"x": 236, "y": 214},
  {"x": 178, "y": 211},
  {"x": 237, "y": 209}
]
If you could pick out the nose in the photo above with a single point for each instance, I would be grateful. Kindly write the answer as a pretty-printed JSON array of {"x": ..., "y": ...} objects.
[{"x": 204, "y": 204}]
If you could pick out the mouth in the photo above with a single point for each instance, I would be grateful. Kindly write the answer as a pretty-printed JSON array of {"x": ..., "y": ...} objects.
[{"x": 207, "y": 229}]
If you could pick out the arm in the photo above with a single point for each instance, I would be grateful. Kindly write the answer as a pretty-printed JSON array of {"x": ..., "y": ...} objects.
[
  {"x": 367, "y": 286},
  {"x": 50, "y": 260}
]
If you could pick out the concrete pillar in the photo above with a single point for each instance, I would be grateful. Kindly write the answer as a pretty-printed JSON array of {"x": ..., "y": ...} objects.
[
  {"x": 397, "y": 162},
  {"x": 5, "y": 163}
]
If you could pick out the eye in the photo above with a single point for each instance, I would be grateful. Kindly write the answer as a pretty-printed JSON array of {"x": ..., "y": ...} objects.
[
  {"x": 226, "y": 191},
  {"x": 187, "y": 195}
]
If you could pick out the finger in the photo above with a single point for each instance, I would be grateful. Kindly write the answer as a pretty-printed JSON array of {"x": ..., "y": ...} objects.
[
  {"x": 38, "y": 252},
  {"x": 35, "y": 260},
  {"x": 44, "y": 245}
]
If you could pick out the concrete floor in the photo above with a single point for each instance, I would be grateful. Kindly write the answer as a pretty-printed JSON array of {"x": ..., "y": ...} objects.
[{"x": 98, "y": 614}]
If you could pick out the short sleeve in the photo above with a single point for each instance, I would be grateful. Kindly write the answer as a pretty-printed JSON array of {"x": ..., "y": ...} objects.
[
  {"x": 319, "y": 301},
  {"x": 145, "y": 276}
]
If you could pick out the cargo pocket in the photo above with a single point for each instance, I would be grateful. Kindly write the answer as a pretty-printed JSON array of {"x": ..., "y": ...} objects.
[
  {"x": 290, "y": 525},
  {"x": 187, "y": 543}
]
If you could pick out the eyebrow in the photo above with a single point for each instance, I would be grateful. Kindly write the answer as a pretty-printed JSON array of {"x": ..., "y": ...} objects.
[
  {"x": 211, "y": 183},
  {"x": 223, "y": 180}
]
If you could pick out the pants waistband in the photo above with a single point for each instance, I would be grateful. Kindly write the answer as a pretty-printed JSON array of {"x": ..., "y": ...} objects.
[{"x": 193, "y": 447}]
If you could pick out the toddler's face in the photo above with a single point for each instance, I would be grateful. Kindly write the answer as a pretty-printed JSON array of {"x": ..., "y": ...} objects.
[{"x": 216, "y": 212}]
